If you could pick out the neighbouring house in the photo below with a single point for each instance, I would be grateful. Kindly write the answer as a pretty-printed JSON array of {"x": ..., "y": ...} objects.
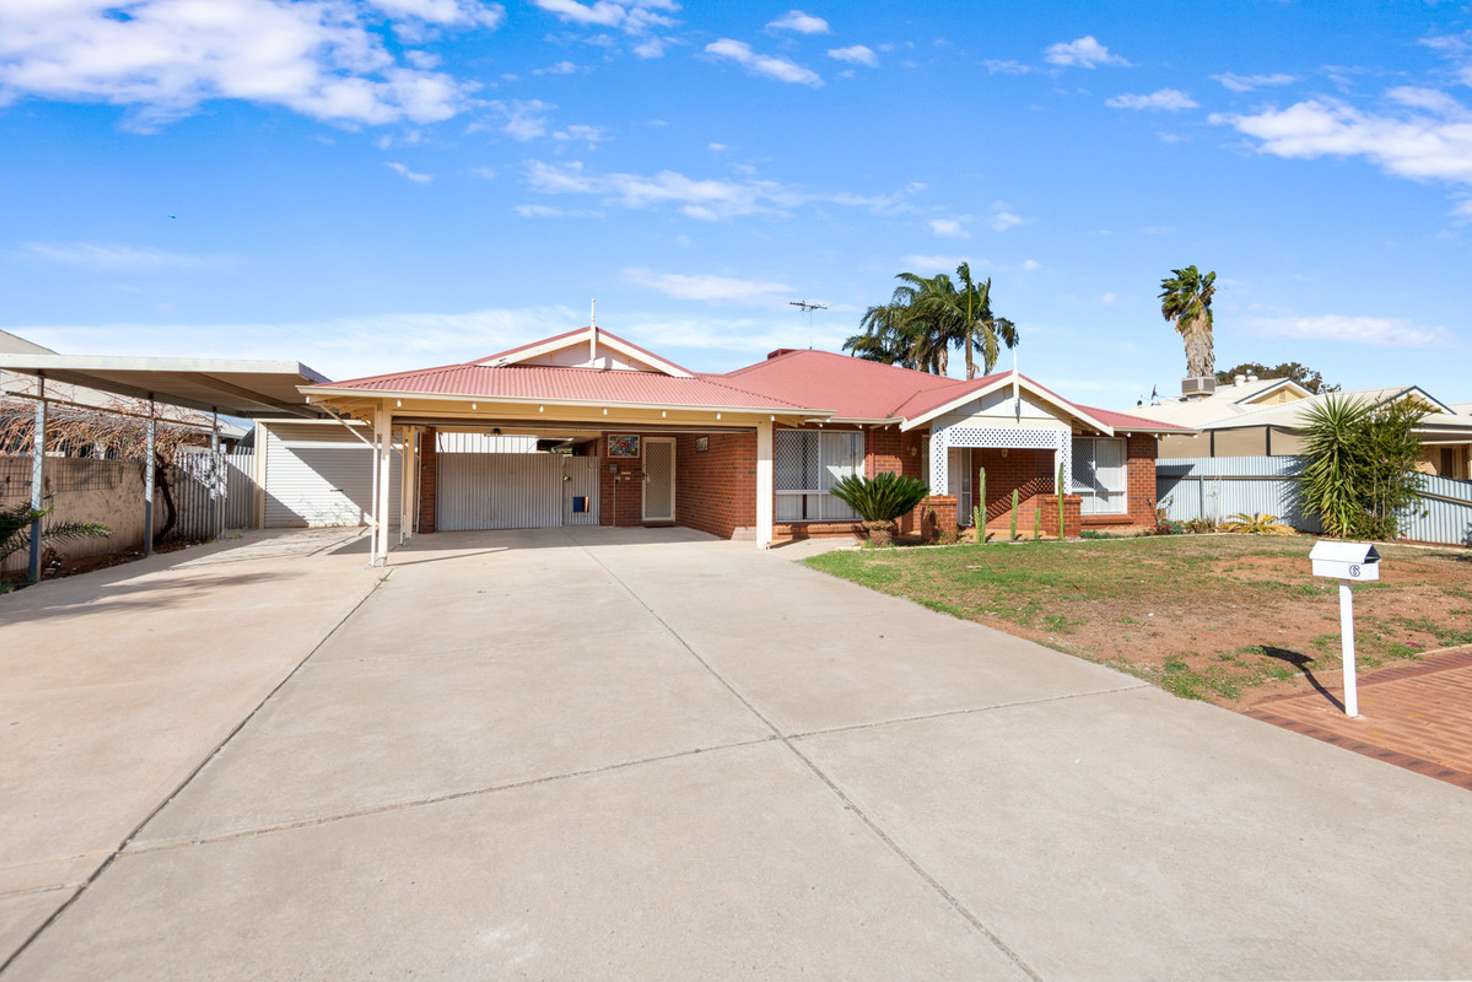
[
  {"x": 626, "y": 437},
  {"x": 1258, "y": 417}
]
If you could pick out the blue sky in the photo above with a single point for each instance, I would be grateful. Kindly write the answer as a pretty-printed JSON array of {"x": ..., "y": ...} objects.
[{"x": 386, "y": 184}]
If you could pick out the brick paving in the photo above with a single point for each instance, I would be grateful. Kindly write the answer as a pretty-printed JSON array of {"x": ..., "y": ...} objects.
[{"x": 1417, "y": 716}]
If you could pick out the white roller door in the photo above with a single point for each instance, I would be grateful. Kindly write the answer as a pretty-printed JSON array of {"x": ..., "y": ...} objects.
[
  {"x": 514, "y": 491},
  {"x": 320, "y": 474}
]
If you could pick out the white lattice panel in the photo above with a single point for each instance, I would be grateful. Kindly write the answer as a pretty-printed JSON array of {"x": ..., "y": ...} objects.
[{"x": 992, "y": 438}]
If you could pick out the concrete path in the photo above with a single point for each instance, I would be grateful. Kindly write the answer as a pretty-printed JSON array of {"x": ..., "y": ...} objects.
[{"x": 645, "y": 753}]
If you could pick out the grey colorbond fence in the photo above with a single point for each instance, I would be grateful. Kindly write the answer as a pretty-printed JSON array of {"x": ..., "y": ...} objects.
[{"x": 1219, "y": 487}]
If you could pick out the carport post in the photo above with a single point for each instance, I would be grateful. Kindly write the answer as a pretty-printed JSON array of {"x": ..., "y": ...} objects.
[
  {"x": 765, "y": 484},
  {"x": 150, "y": 436},
  {"x": 38, "y": 476},
  {"x": 384, "y": 439},
  {"x": 217, "y": 486},
  {"x": 406, "y": 484}
]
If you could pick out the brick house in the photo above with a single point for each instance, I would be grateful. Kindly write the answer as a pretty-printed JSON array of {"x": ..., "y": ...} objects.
[{"x": 613, "y": 434}]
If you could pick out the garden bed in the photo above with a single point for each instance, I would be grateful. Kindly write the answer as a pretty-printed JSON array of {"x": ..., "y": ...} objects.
[{"x": 1227, "y": 618}]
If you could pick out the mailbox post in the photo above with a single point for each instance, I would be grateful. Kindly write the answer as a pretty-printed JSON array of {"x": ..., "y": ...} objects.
[{"x": 1347, "y": 562}]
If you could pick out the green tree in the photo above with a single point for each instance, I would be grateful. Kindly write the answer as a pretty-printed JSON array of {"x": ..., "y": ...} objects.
[
  {"x": 964, "y": 311},
  {"x": 1297, "y": 371},
  {"x": 926, "y": 317},
  {"x": 1360, "y": 465},
  {"x": 1185, "y": 300}
]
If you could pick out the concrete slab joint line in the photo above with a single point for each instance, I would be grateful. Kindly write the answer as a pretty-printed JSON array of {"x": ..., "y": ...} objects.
[
  {"x": 188, "y": 778},
  {"x": 843, "y": 797}
]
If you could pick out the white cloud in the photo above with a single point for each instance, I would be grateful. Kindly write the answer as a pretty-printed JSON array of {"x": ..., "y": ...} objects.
[
  {"x": 802, "y": 23},
  {"x": 591, "y": 136},
  {"x": 1108, "y": 298},
  {"x": 112, "y": 257},
  {"x": 930, "y": 263},
  {"x": 1168, "y": 100},
  {"x": 1431, "y": 100},
  {"x": 705, "y": 199},
  {"x": 1350, "y": 329},
  {"x": 484, "y": 173},
  {"x": 631, "y": 16},
  {"x": 446, "y": 13},
  {"x": 409, "y": 175},
  {"x": 524, "y": 119},
  {"x": 1247, "y": 83},
  {"x": 1417, "y": 144},
  {"x": 651, "y": 48},
  {"x": 560, "y": 68},
  {"x": 163, "y": 58},
  {"x": 716, "y": 147},
  {"x": 552, "y": 211},
  {"x": 950, "y": 228},
  {"x": 1084, "y": 52},
  {"x": 855, "y": 54},
  {"x": 709, "y": 288},
  {"x": 1031, "y": 265},
  {"x": 1003, "y": 217},
  {"x": 770, "y": 66},
  {"x": 1005, "y": 66},
  {"x": 1463, "y": 209}
]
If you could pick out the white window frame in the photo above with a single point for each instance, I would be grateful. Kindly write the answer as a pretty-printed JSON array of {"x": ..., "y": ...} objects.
[
  {"x": 1084, "y": 451},
  {"x": 809, "y": 502}
]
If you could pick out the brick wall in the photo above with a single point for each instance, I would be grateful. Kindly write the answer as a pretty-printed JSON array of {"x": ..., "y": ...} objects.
[
  {"x": 938, "y": 518},
  {"x": 625, "y": 506},
  {"x": 1140, "y": 479},
  {"x": 715, "y": 489},
  {"x": 429, "y": 469},
  {"x": 888, "y": 451},
  {"x": 1029, "y": 472},
  {"x": 1072, "y": 515}
]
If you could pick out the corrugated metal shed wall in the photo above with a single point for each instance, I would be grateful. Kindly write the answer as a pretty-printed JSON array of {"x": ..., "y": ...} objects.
[
  {"x": 1219, "y": 487},
  {"x": 453, "y": 442},
  {"x": 319, "y": 475},
  {"x": 499, "y": 491}
]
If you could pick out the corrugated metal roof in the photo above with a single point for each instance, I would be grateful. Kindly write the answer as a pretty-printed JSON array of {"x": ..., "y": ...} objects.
[
  {"x": 852, "y": 387},
  {"x": 531, "y": 382}
]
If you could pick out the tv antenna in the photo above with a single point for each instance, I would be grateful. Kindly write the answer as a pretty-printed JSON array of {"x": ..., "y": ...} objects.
[{"x": 807, "y": 307}]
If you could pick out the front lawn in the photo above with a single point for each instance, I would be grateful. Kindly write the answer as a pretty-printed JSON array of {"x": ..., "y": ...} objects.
[{"x": 1216, "y": 617}]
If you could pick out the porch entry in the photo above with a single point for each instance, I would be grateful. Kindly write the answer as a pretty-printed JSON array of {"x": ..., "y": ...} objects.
[
  {"x": 659, "y": 479},
  {"x": 962, "y": 473}
]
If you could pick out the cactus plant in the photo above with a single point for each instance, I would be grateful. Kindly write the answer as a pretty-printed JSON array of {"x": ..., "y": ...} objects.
[
  {"x": 1058, "y": 492},
  {"x": 980, "y": 509},
  {"x": 1012, "y": 527},
  {"x": 1037, "y": 523}
]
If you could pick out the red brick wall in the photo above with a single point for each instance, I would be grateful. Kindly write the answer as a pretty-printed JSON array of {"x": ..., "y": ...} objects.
[
  {"x": 888, "y": 451},
  {"x": 429, "y": 469},
  {"x": 938, "y": 518},
  {"x": 1140, "y": 478},
  {"x": 1030, "y": 472},
  {"x": 625, "y": 506},
  {"x": 1072, "y": 517},
  {"x": 715, "y": 489}
]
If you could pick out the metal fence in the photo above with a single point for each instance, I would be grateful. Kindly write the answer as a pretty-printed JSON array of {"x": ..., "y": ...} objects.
[
  {"x": 1216, "y": 488},
  {"x": 212, "y": 493}
]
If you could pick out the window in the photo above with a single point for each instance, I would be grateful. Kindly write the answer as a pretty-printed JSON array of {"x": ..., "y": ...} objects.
[
  {"x": 809, "y": 463},
  {"x": 1099, "y": 475}
]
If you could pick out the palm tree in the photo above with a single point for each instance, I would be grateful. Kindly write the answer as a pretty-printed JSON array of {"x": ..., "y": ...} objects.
[
  {"x": 1185, "y": 298},
  {"x": 975, "y": 326},
  {"x": 906, "y": 331}
]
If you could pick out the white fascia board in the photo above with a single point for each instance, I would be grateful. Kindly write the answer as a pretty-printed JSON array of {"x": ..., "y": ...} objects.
[
  {"x": 546, "y": 347},
  {"x": 582, "y": 337},
  {"x": 653, "y": 361},
  {"x": 1002, "y": 383},
  {"x": 1287, "y": 383},
  {"x": 380, "y": 394}
]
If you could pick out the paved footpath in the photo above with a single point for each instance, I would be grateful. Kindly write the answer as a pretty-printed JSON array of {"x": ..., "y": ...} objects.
[{"x": 1417, "y": 716}]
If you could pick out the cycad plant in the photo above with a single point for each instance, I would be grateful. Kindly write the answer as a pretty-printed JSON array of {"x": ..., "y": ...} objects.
[
  {"x": 15, "y": 529},
  {"x": 1360, "y": 466},
  {"x": 880, "y": 501}
]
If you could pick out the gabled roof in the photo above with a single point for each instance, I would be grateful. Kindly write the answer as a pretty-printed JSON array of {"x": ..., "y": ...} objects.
[
  {"x": 1290, "y": 415},
  {"x": 589, "y": 386},
  {"x": 855, "y": 389},
  {"x": 1229, "y": 398},
  {"x": 593, "y": 336}
]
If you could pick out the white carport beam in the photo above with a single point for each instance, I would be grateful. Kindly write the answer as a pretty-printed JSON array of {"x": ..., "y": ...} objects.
[
  {"x": 406, "y": 482},
  {"x": 765, "y": 485},
  {"x": 383, "y": 438}
]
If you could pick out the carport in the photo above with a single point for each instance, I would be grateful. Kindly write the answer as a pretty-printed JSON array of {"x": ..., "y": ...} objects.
[
  {"x": 232, "y": 387},
  {"x": 647, "y": 442}
]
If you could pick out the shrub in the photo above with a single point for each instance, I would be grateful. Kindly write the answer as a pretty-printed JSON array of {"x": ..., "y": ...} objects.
[
  {"x": 15, "y": 529},
  {"x": 1360, "y": 466},
  {"x": 880, "y": 501},
  {"x": 1255, "y": 524}
]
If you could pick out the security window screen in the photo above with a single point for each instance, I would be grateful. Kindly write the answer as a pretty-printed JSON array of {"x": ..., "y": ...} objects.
[{"x": 808, "y": 464}]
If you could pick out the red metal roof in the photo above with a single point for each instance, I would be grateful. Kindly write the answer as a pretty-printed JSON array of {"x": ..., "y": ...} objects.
[
  {"x": 602, "y": 333},
  {"x": 788, "y": 381},
  {"x": 533, "y": 382},
  {"x": 852, "y": 387}
]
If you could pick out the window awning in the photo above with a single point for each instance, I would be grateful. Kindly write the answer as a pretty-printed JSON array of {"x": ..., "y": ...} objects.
[{"x": 234, "y": 387}]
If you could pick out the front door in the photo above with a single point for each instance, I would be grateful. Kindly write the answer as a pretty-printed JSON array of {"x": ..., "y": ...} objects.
[
  {"x": 958, "y": 476},
  {"x": 659, "y": 479}
]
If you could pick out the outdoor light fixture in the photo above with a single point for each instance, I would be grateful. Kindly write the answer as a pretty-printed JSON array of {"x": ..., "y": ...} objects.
[
  {"x": 473, "y": 407},
  {"x": 398, "y": 404}
]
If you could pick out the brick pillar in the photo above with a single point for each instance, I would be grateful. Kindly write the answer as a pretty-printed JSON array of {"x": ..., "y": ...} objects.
[
  {"x": 428, "y": 475},
  {"x": 938, "y": 521},
  {"x": 1073, "y": 519}
]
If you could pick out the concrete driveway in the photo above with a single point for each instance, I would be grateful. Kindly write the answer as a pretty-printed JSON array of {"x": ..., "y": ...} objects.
[{"x": 649, "y": 754}]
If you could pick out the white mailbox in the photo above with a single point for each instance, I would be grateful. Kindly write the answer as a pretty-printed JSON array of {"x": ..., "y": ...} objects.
[{"x": 1346, "y": 560}]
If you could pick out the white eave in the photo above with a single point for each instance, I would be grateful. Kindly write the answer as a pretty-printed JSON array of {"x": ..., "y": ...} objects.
[{"x": 1005, "y": 382}]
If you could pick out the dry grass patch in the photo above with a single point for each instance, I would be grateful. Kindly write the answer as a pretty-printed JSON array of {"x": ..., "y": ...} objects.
[{"x": 1206, "y": 617}]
